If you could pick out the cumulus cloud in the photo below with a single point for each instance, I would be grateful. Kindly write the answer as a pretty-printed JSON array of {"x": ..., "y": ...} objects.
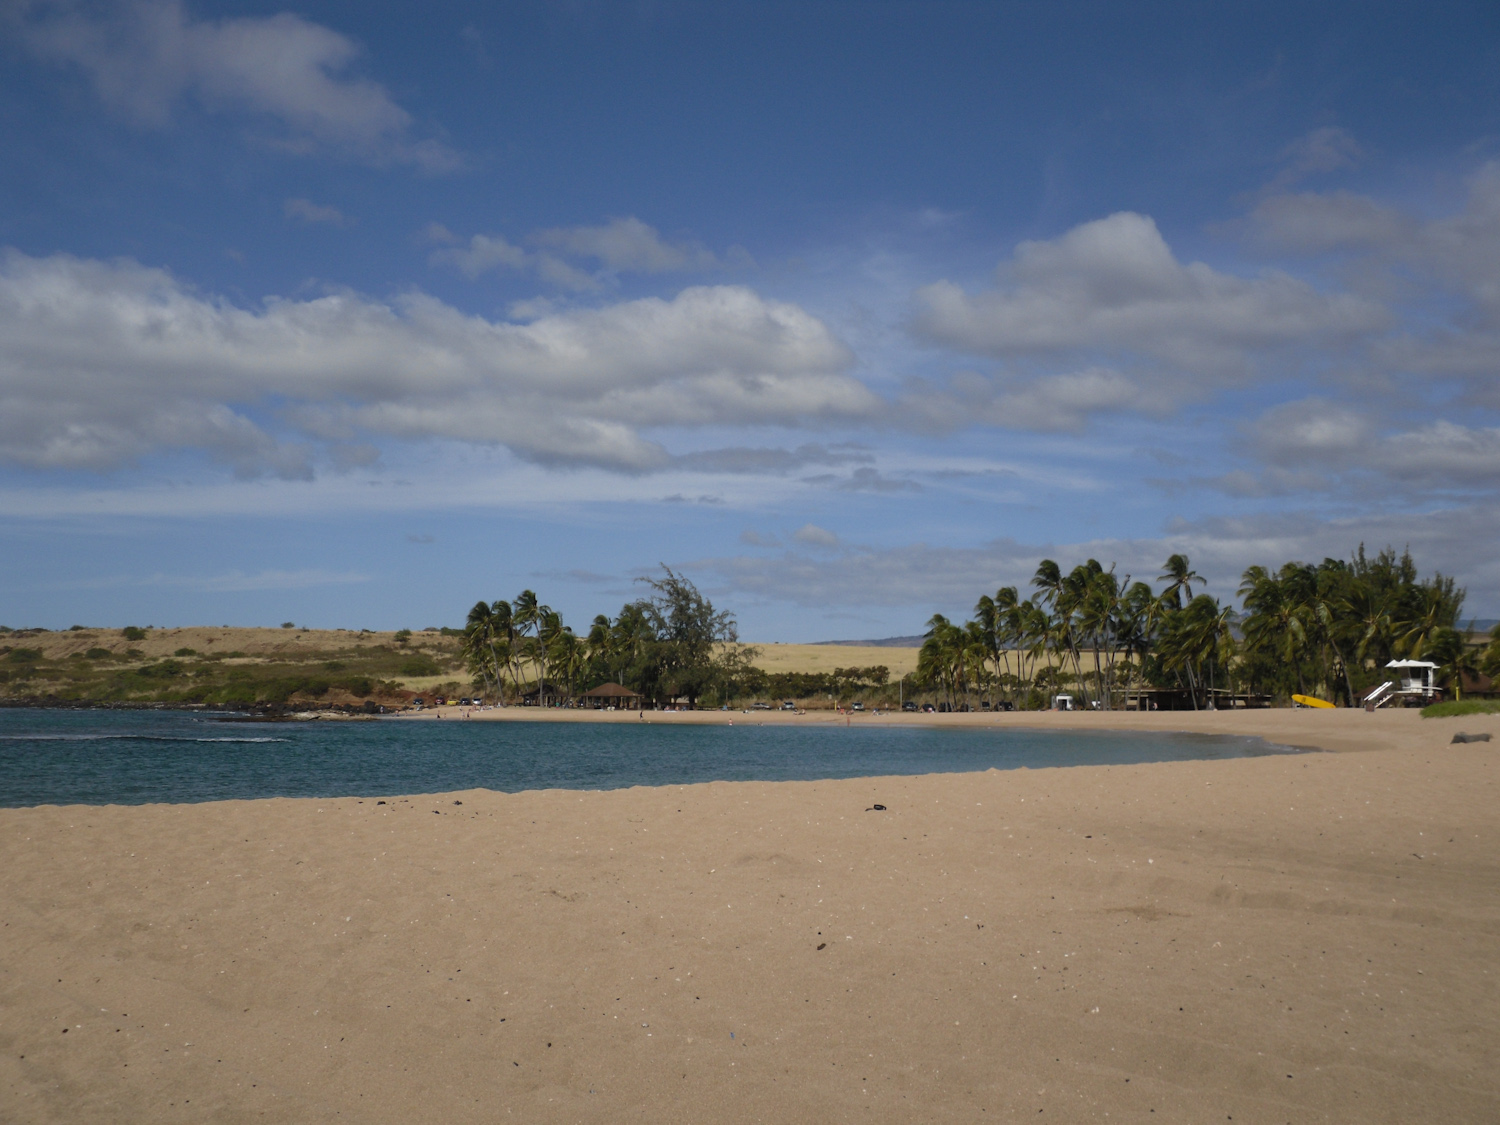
[
  {"x": 105, "y": 362},
  {"x": 1113, "y": 287},
  {"x": 145, "y": 56},
  {"x": 1339, "y": 441},
  {"x": 482, "y": 253}
]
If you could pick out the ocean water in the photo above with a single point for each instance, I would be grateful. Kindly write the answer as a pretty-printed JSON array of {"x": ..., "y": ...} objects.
[{"x": 136, "y": 757}]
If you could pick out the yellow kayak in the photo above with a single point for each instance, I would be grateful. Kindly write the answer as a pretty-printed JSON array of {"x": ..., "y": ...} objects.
[{"x": 1311, "y": 701}]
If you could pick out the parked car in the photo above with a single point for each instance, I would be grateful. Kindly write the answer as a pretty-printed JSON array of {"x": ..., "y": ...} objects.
[
  {"x": 859, "y": 705},
  {"x": 1004, "y": 705},
  {"x": 928, "y": 709},
  {"x": 759, "y": 706},
  {"x": 788, "y": 704},
  {"x": 909, "y": 706}
]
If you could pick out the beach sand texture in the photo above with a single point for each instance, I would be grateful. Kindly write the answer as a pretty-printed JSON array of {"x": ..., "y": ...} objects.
[{"x": 1292, "y": 938}]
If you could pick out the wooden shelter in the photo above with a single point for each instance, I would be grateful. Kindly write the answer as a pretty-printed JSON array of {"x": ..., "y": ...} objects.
[{"x": 612, "y": 695}]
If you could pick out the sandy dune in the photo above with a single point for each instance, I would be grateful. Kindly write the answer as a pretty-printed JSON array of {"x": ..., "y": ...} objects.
[{"x": 1296, "y": 938}]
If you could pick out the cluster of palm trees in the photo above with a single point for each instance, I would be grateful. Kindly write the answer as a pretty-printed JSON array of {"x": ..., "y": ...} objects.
[
  {"x": 1329, "y": 628},
  {"x": 1313, "y": 628},
  {"x": 503, "y": 640},
  {"x": 672, "y": 644}
]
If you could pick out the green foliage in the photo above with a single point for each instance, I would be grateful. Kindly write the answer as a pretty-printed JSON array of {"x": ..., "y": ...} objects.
[
  {"x": 186, "y": 652},
  {"x": 840, "y": 684},
  {"x": 288, "y": 624},
  {"x": 133, "y": 633},
  {"x": 24, "y": 655},
  {"x": 1455, "y": 707},
  {"x": 420, "y": 665},
  {"x": 402, "y": 636}
]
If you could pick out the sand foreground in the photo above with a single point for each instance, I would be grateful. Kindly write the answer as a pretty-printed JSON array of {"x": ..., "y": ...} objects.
[{"x": 1297, "y": 938}]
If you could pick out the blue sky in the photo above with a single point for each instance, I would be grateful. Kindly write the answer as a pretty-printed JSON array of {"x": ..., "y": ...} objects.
[{"x": 354, "y": 314}]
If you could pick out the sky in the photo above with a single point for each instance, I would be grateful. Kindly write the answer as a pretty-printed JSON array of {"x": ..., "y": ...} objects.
[{"x": 353, "y": 314}]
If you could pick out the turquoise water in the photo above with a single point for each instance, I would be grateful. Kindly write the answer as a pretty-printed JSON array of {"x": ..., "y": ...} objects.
[{"x": 134, "y": 757}]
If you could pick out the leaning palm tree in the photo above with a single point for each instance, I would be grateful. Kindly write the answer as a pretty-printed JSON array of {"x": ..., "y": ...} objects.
[{"x": 1179, "y": 576}]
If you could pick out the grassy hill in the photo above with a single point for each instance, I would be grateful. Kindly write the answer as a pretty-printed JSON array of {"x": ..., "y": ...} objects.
[
  {"x": 225, "y": 666},
  {"x": 323, "y": 667}
]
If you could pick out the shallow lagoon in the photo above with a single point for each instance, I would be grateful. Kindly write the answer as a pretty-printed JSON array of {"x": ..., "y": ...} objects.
[{"x": 135, "y": 757}]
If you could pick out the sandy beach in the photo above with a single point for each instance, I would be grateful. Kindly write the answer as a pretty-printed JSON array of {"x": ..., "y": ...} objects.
[{"x": 1310, "y": 937}]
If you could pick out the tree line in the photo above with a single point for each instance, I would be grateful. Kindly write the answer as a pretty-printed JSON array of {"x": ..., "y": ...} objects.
[
  {"x": 669, "y": 645},
  {"x": 1323, "y": 629}
]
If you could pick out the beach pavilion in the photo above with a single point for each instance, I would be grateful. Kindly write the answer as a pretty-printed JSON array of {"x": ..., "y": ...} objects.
[{"x": 612, "y": 695}]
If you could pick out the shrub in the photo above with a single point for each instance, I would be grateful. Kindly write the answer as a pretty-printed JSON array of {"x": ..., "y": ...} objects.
[
  {"x": 420, "y": 666},
  {"x": 288, "y": 624},
  {"x": 1455, "y": 707},
  {"x": 133, "y": 633},
  {"x": 24, "y": 655},
  {"x": 186, "y": 652},
  {"x": 97, "y": 653}
]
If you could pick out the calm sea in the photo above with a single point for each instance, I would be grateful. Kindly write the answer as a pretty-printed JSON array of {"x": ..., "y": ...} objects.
[{"x": 134, "y": 757}]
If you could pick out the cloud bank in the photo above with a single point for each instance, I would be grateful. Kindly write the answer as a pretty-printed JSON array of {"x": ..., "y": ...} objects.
[{"x": 102, "y": 363}]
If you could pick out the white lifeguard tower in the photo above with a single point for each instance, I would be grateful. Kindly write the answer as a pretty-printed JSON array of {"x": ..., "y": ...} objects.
[{"x": 1413, "y": 682}]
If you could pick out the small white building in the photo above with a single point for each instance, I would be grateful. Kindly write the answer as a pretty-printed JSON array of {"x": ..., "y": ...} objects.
[{"x": 1414, "y": 678}]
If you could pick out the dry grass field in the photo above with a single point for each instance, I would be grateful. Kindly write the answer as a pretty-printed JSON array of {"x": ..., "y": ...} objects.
[{"x": 825, "y": 658}]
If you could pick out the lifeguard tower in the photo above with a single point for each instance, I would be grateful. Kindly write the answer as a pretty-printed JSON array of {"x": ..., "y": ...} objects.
[{"x": 1413, "y": 684}]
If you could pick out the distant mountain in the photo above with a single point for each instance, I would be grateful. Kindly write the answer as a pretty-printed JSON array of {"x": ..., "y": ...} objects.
[{"x": 884, "y": 642}]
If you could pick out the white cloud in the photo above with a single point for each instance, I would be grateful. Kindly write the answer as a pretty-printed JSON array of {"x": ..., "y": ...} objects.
[
  {"x": 482, "y": 254},
  {"x": 619, "y": 246},
  {"x": 102, "y": 363},
  {"x": 1113, "y": 286},
  {"x": 629, "y": 245},
  {"x": 1446, "y": 270},
  {"x": 309, "y": 212},
  {"x": 144, "y": 56},
  {"x": 1440, "y": 456},
  {"x": 1048, "y": 403}
]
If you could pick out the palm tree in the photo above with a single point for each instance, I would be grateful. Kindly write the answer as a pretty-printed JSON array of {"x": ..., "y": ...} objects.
[
  {"x": 1277, "y": 620},
  {"x": 1179, "y": 576}
]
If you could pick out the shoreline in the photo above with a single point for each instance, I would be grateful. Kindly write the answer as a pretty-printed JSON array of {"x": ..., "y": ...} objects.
[{"x": 1339, "y": 730}]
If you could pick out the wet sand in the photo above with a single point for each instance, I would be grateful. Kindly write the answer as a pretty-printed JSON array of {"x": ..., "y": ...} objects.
[{"x": 1308, "y": 937}]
